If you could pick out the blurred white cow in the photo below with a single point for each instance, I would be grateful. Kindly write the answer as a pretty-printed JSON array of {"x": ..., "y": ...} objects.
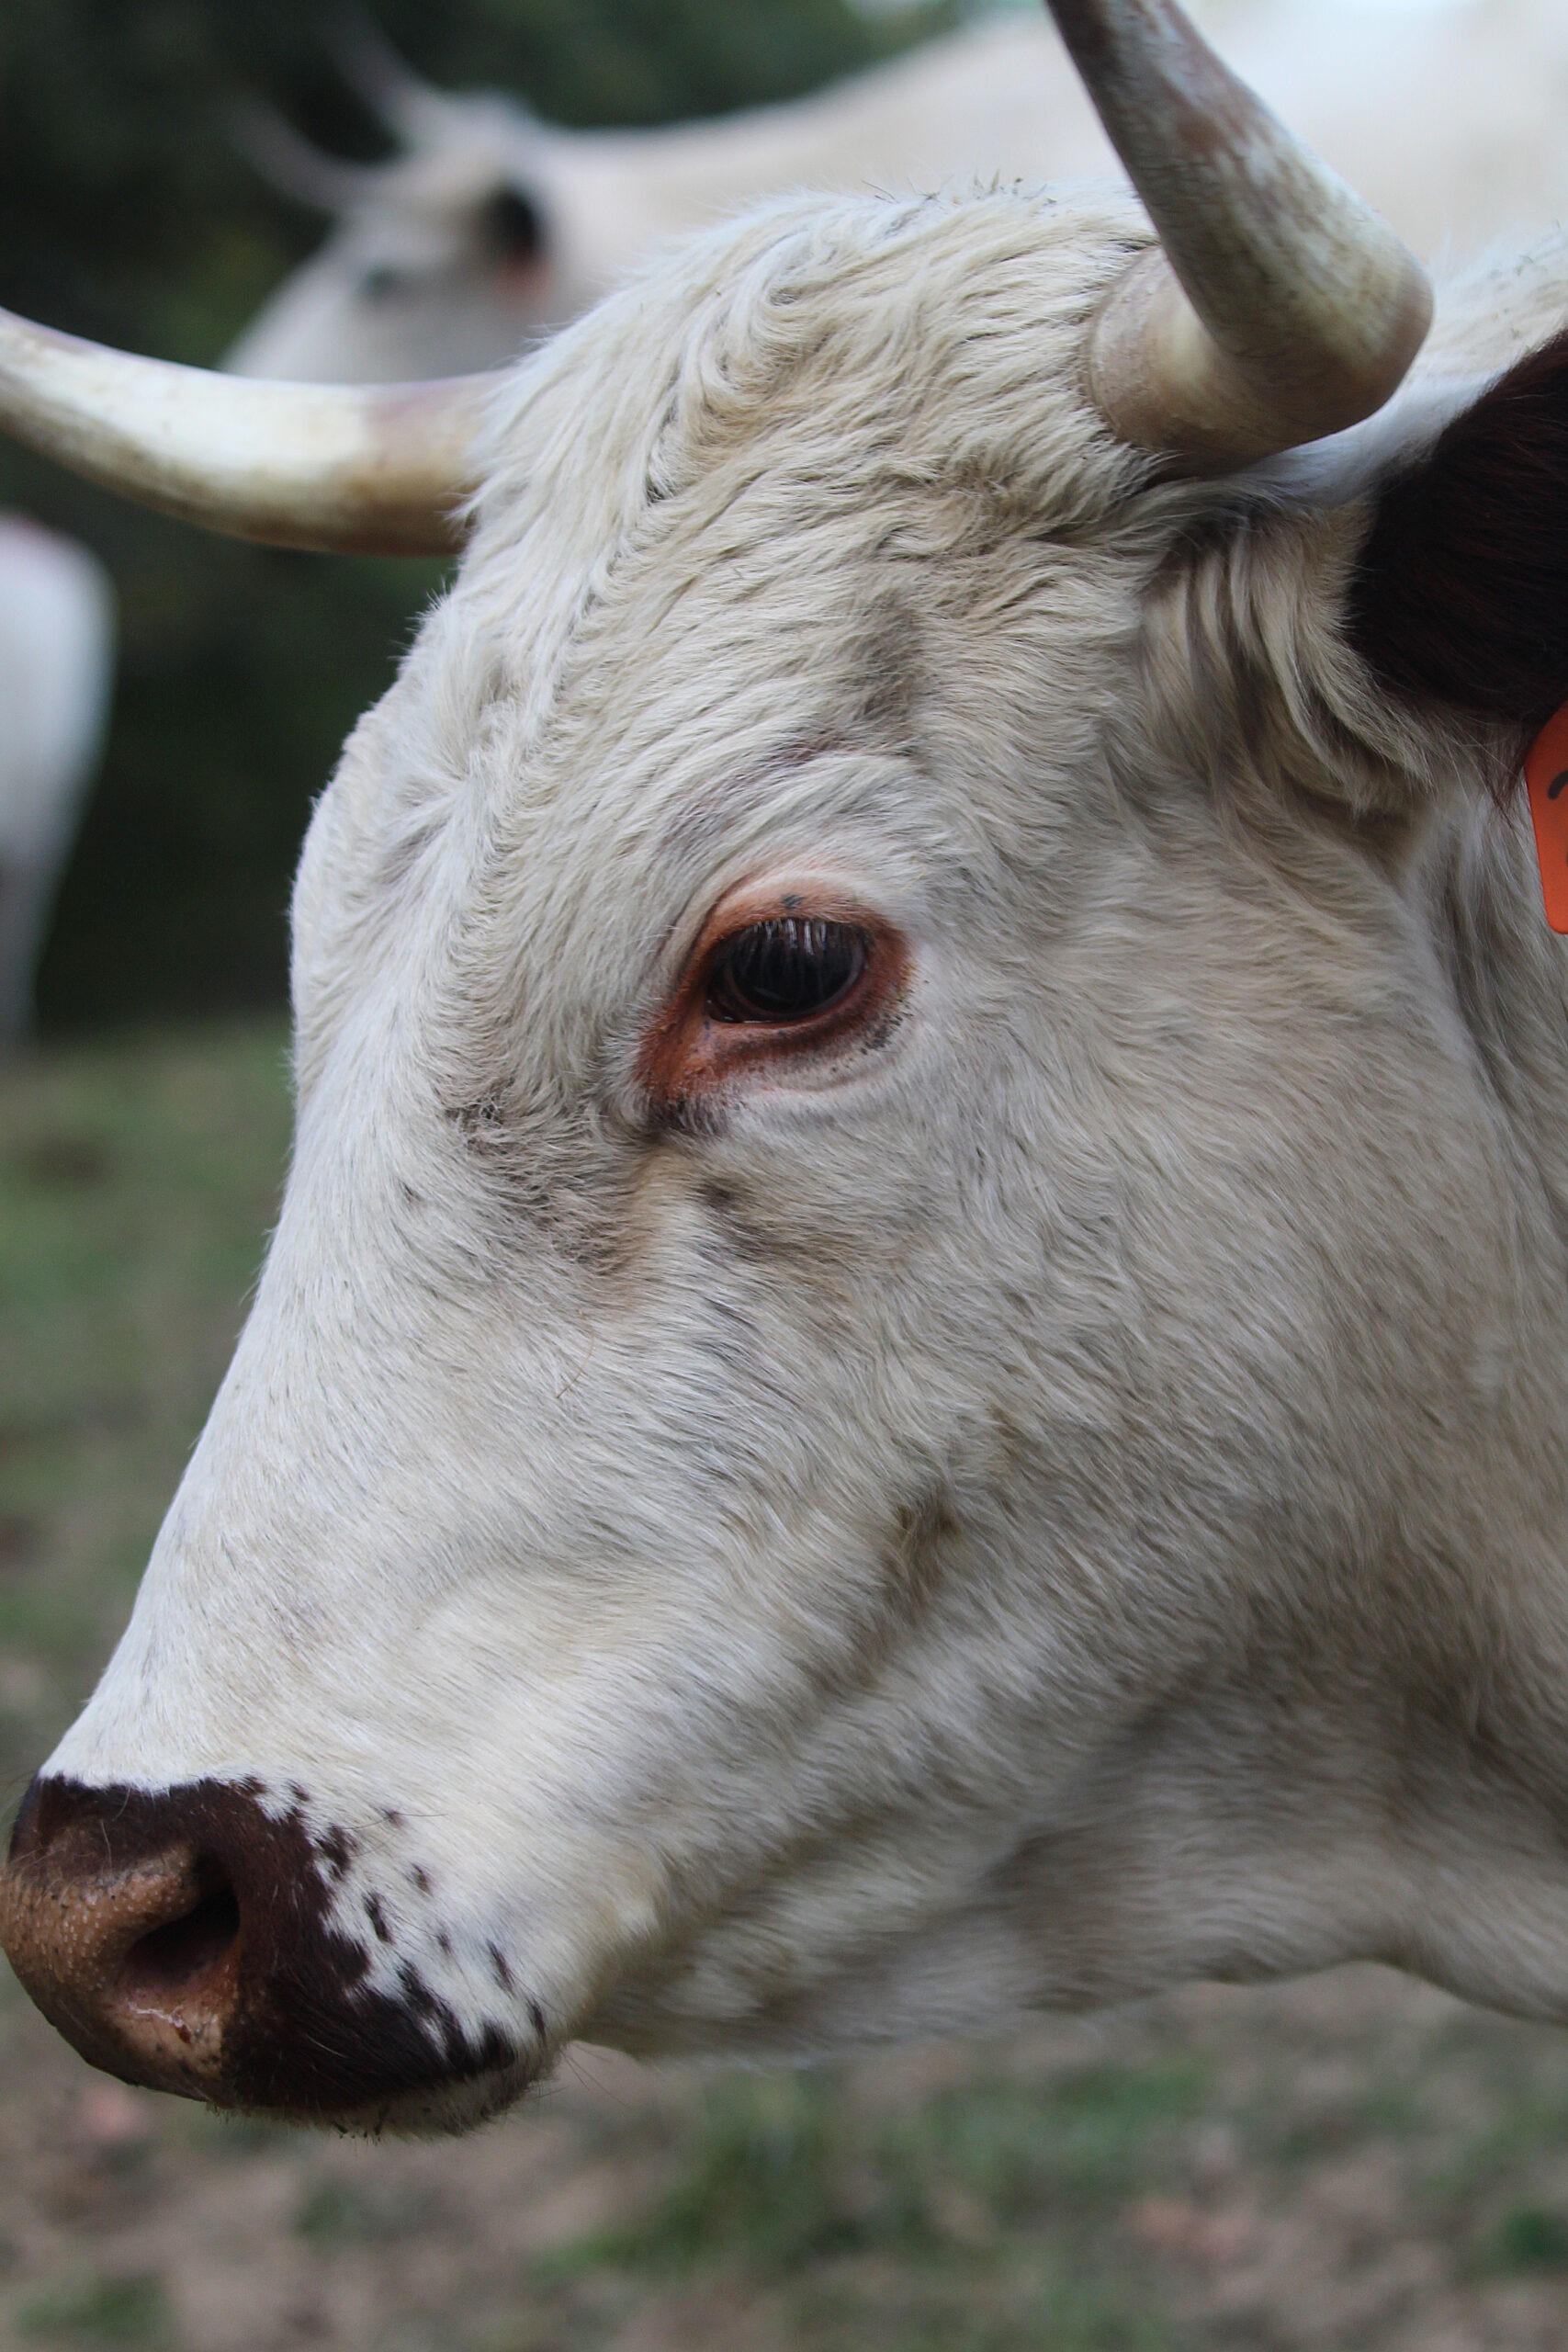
[
  {"x": 56, "y": 665},
  {"x": 492, "y": 227}
]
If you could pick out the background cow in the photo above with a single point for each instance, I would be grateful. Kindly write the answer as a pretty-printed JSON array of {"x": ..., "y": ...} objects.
[
  {"x": 490, "y": 226},
  {"x": 56, "y": 667},
  {"x": 912, "y": 1364}
]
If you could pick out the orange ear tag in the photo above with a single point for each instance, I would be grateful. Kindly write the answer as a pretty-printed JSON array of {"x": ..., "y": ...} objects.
[{"x": 1546, "y": 776}]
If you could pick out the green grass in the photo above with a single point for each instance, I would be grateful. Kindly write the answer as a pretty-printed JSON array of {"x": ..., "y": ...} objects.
[
  {"x": 1530, "y": 2237},
  {"x": 124, "y": 2309},
  {"x": 986, "y": 2218},
  {"x": 137, "y": 1182},
  {"x": 346, "y": 2213}
]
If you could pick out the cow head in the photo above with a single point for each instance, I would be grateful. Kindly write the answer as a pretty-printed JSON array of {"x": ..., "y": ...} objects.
[
  {"x": 458, "y": 245},
  {"x": 912, "y": 1363}
]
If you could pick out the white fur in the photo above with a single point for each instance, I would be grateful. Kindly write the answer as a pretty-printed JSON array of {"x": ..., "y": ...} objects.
[
  {"x": 1069, "y": 1502},
  {"x": 1450, "y": 121}
]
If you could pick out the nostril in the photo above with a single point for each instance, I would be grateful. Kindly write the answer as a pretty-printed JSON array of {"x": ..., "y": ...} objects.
[
  {"x": 136, "y": 1954},
  {"x": 170, "y": 1960}
]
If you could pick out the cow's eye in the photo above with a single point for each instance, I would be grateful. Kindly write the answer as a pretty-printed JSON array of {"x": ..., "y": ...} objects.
[
  {"x": 776, "y": 983},
  {"x": 788, "y": 969},
  {"x": 513, "y": 227}
]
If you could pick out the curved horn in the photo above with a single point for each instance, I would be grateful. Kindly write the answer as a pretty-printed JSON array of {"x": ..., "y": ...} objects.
[
  {"x": 378, "y": 470},
  {"x": 1280, "y": 307},
  {"x": 387, "y": 83},
  {"x": 287, "y": 162}
]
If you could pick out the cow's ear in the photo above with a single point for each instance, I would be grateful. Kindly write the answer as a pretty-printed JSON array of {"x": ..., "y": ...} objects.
[{"x": 1460, "y": 593}]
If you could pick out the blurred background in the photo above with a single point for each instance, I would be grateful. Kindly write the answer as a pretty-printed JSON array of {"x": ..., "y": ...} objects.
[
  {"x": 128, "y": 213},
  {"x": 1353, "y": 2165}
]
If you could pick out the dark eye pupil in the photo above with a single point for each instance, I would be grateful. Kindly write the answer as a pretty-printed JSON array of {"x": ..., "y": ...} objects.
[{"x": 785, "y": 970}]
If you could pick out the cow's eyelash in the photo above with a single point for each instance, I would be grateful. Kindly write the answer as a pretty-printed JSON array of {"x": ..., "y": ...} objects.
[{"x": 785, "y": 970}]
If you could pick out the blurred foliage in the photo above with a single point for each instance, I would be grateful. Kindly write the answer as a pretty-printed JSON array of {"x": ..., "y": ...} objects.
[{"x": 126, "y": 214}]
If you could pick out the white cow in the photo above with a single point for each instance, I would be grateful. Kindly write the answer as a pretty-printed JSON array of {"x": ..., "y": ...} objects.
[
  {"x": 56, "y": 667},
  {"x": 914, "y": 1362},
  {"x": 491, "y": 226}
]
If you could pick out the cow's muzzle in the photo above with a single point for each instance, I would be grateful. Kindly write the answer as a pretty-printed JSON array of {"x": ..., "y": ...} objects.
[{"x": 182, "y": 1940}]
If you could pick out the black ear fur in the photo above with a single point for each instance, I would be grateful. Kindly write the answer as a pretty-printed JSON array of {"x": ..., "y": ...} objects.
[{"x": 1462, "y": 590}]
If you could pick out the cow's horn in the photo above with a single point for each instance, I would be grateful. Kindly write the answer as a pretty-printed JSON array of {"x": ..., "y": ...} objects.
[
  {"x": 378, "y": 470},
  {"x": 1278, "y": 307},
  {"x": 385, "y": 80},
  {"x": 287, "y": 162}
]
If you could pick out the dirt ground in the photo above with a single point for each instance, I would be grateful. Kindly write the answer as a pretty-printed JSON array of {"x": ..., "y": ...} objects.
[{"x": 1353, "y": 2163}]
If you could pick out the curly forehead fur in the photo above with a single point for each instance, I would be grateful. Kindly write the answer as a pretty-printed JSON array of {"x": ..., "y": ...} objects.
[
  {"x": 898, "y": 378},
  {"x": 927, "y": 345},
  {"x": 892, "y": 393}
]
